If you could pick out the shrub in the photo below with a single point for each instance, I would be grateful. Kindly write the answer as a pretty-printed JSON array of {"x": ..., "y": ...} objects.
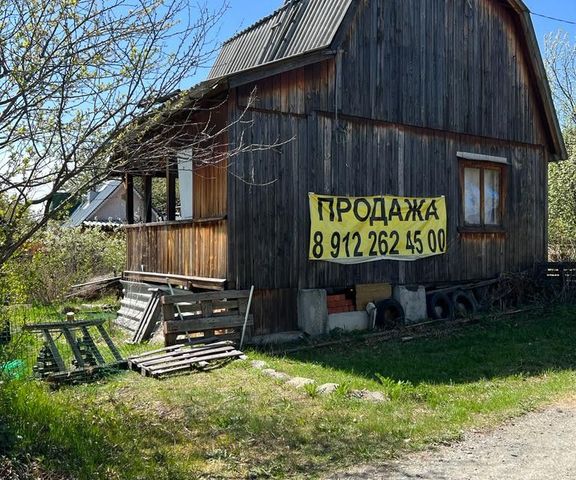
[{"x": 58, "y": 258}]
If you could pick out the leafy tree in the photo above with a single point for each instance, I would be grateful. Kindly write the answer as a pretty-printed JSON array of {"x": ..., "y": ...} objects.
[
  {"x": 74, "y": 74},
  {"x": 560, "y": 59}
]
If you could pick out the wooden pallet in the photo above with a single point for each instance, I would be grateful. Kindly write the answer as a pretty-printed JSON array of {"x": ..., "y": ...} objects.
[
  {"x": 182, "y": 358},
  {"x": 207, "y": 313},
  {"x": 59, "y": 370}
]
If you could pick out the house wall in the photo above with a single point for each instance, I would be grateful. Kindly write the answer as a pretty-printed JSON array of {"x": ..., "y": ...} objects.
[
  {"x": 114, "y": 208},
  {"x": 418, "y": 81}
]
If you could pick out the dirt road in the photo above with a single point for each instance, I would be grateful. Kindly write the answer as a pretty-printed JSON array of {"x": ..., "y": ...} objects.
[{"x": 540, "y": 445}]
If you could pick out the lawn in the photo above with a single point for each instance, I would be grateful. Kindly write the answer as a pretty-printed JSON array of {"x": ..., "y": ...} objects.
[{"x": 235, "y": 422}]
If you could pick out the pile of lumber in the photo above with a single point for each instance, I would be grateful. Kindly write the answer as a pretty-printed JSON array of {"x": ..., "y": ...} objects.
[
  {"x": 182, "y": 358},
  {"x": 187, "y": 282},
  {"x": 94, "y": 288}
]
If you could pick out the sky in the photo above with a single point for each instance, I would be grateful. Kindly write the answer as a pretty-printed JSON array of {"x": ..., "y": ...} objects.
[{"x": 243, "y": 13}]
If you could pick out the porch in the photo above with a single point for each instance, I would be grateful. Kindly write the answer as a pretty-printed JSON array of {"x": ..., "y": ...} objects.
[{"x": 194, "y": 248}]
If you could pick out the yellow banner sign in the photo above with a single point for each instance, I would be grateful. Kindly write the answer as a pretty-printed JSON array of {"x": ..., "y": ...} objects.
[{"x": 366, "y": 229}]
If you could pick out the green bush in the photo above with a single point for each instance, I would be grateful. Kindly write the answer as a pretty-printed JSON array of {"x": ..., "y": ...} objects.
[{"x": 58, "y": 258}]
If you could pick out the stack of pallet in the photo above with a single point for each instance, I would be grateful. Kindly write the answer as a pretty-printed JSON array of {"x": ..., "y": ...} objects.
[{"x": 182, "y": 358}]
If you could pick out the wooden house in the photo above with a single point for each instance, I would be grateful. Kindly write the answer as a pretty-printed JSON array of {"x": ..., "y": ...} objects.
[{"x": 419, "y": 98}]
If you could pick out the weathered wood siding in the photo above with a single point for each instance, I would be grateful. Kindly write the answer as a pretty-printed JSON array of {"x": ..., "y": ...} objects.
[
  {"x": 269, "y": 244},
  {"x": 419, "y": 81},
  {"x": 210, "y": 190},
  {"x": 182, "y": 248},
  {"x": 455, "y": 65}
]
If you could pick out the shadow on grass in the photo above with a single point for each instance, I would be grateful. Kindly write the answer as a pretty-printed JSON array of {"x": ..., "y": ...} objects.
[{"x": 527, "y": 344}]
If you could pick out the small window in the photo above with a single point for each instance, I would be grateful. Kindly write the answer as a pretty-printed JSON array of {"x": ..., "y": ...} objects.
[{"x": 482, "y": 195}]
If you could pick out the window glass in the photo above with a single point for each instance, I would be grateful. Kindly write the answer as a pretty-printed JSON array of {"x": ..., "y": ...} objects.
[
  {"x": 472, "y": 196},
  {"x": 492, "y": 197}
]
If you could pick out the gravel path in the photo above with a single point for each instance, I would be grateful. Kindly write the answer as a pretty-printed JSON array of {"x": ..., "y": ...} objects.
[{"x": 539, "y": 445}]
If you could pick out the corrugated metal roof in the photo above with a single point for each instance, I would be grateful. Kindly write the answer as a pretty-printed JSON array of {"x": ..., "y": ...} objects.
[
  {"x": 85, "y": 211},
  {"x": 299, "y": 27}
]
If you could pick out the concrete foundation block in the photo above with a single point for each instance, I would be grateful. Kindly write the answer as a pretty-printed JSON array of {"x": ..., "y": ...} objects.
[
  {"x": 348, "y": 321},
  {"x": 312, "y": 311},
  {"x": 413, "y": 301}
]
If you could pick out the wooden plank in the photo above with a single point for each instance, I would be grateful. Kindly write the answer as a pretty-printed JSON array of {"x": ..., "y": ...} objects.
[
  {"x": 40, "y": 327},
  {"x": 179, "y": 355},
  {"x": 192, "y": 313},
  {"x": 97, "y": 355},
  {"x": 198, "y": 297},
  {"x": 153, "y": 352},
  {"x": 110, "y": 343},
  {"x": 53, "y": 350},
  {"x": 201, "y": 324},
  {"x": 150, "y": 323},
  {"x": 187, "y": 363},
  {"x": 71, "y": 339},
  {"x": 176, "y": 348},
  {"x": 366, "y": 293},
  {"x": 149, "y": 319},
  {"x": 209, "y": 339},
  {"x": 174, "y": 279},
  {"x": 96, "y": 282}
]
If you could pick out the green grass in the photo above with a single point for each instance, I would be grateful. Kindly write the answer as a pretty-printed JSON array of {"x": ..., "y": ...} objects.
[{"x": 236, "y": 423}]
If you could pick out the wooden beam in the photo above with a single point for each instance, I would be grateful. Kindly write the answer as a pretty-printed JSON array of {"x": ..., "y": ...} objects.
[
  {"x": 186, "y": 221},
  {"x": 53, "y": 350},
  {"x": 275, "y": 68},
  {"x": 148, "y": 198},
  {"x": 205, "y": 296},
  {"x": 205, "y": 323},
  {"x": 129, "y": 198},
  {"x": 170, "y": 193}
]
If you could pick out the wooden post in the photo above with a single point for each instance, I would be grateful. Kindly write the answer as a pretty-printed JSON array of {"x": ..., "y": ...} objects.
[
  {"x": 129, "y": 198},
  {"x": 168, "y": 313},
  {"x": 171, "y": 193},
  {"x": 147, "y": 198}
]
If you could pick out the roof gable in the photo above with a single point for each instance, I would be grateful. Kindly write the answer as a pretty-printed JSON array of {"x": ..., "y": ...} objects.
[
  {"x": 299, "y": 27},
  {"x": 87, "y": 209},
  {"x": 304, "y": 26}
]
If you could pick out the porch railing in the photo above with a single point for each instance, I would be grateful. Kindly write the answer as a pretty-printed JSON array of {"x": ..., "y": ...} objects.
[{"x": 192, "y": 247}]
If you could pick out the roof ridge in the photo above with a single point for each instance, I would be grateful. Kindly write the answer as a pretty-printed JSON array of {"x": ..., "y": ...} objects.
[{"x": 288, "y": 3}]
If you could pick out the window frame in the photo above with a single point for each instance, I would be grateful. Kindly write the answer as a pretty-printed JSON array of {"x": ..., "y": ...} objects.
[{"x": 483, "y": 165}]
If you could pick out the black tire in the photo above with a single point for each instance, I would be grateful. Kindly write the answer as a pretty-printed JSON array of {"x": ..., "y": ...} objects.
[
  {"x": 389, "y": 314},
  {"x": 440, "y": 307},
  {"x": 464, "y": 303}
]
